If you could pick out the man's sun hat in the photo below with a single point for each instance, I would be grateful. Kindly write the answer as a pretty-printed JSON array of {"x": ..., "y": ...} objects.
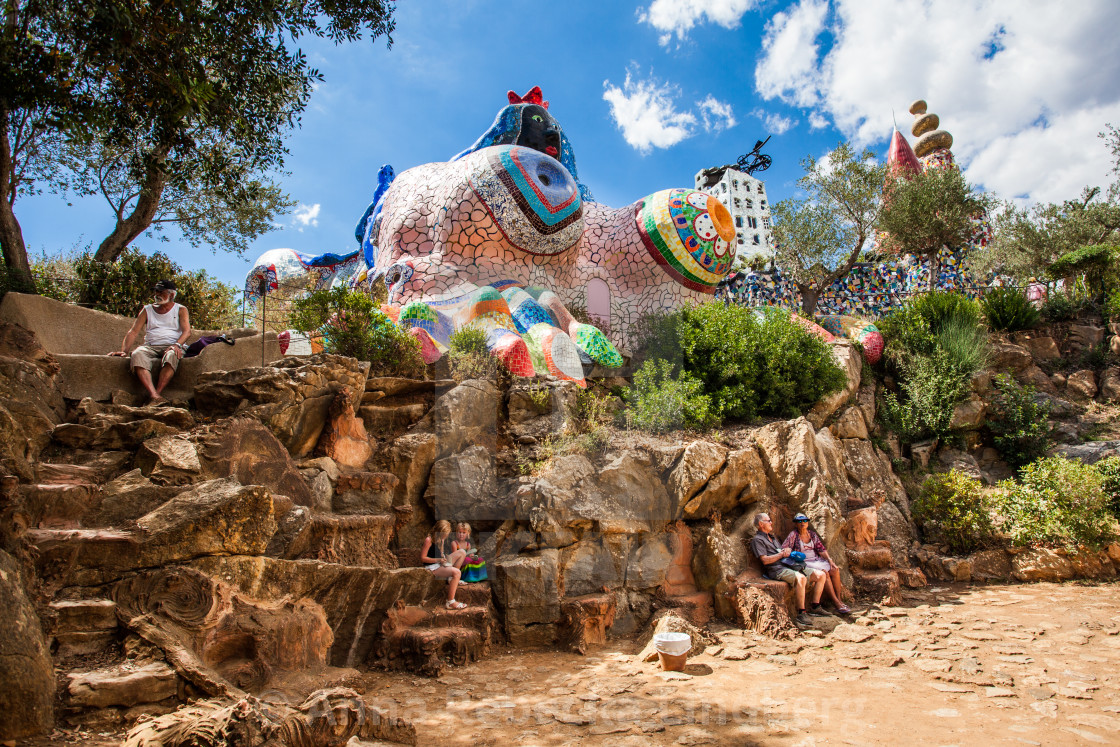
[{"x": 165, "y": 285}]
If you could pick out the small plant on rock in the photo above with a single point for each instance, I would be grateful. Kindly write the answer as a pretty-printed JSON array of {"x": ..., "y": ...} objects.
[
  {"x": 468, "y": 356},
  {"x": 953, "y": 509},
  {"x": 1020, "y": 422},
  {"x": 1008, "y": 310},
  {"x": 1057, "y": 501}
]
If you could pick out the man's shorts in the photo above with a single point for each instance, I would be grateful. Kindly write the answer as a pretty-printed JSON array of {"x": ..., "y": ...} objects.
[
  {"x": 146, "y": 356},
  {"x": 788, "y": 575}
]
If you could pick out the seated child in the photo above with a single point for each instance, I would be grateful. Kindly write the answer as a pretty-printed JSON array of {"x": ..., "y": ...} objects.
[
  {"x": 474, "y": 567},
  {"x": 436, "y": 559}
]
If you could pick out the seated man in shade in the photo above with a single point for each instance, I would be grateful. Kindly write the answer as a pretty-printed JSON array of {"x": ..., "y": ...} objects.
[
  {"x": 771, "y": 553},
  {"x": 166, "y": 326}
]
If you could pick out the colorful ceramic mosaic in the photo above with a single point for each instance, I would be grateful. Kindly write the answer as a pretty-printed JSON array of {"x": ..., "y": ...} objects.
[{"x": 862, "y": 331}]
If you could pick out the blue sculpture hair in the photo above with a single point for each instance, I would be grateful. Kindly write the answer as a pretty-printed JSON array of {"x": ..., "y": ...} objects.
[{"x": 507, "y": 128}]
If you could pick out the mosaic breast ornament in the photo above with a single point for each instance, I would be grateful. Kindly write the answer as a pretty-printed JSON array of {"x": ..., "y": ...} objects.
[{"x": 690, "y": 234}]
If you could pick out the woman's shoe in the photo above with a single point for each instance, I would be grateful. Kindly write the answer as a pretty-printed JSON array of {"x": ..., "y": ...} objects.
[
  {"x": 453, "y": 605},
  {"x": 843, "y": 609}
]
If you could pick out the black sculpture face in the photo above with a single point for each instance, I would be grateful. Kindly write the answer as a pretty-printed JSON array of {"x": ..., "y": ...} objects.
[{"x": 539, "y": 131}]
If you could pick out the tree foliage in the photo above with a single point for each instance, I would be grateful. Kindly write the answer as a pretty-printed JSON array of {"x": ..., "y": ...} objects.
[
  {"x": 819, "y": 236},
  {"x": 179, "y": 98},
  {"x": 927, "y": 211}
]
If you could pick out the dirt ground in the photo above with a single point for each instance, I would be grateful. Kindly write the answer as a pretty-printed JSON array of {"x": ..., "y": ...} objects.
[
  {"x": 1032, "y": 664},
  {"x": 1035, "y": 664}
]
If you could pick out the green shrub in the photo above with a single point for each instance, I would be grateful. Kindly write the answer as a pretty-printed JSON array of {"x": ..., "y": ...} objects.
[
  {"x": 939, "y": 308},
  {"x": 953, "y": 509},
  {"x": 1057, "y": 501},
  {"x": 468, "y": 356},
  {"x": 660, "y": 400},
  {"x": 1110, "y": 472},
  {"x": 923, "y": 407},
  {"x": 1008, "y": 310},
  {"x": 1019, "y": 422},
  {"x": 1097, "y": 357},
  {"x": 1060, "y": 306},
  {"x": 1112, "y": 305},
  {"x": 352, "y": 326},
  {"x": 928, "y": 320}
]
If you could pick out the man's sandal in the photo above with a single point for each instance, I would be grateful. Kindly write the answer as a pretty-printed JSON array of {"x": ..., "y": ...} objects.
[{"x": 453, "y": 605}]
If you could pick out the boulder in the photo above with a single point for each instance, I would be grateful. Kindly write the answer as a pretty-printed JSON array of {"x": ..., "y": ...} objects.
[
  {"x": 922, "y": 451},
  {"x": 169, "y": 460},
  {"x": 1042, "y": 348},
  {"x": 669, "y": 621},
  {"x": 592, "y": 565},
  {"x": 463, "y": 487},
  {"x": 1110, "y": 384},
  {"x": 716, "y": 559},
  {"x": 410, "y": 460},
  {"x": 1086, "y": 335},
  {"x": 968, "y": 415},
  {"x": 586, "y": 620},
  {"x": 129, "y": 497},
  {"x": 344, "y": 437},
  {"x": 364, "y": 493},
  {"x": 865, "y": 399},
  {"x": 1041, "y": 564},
  {"x": 27, "y": 681},
  {"x": 322, "y": 492},
  {"x": 990, "y": 565},
  {"x": 851, "y": 363},
  {"x": 850, "y": 424},
  {"x": 700, "y": 461},
  {"x": 385, "y": 419},
  {"x": 1007, "y": 356},
  {"x": 869, "y": 473},
  {"x": 325, "y": 464},
  {"x": 1090, "y": 452},
  {"x": 1082, "y": 384},
  {"x": 742, "y": 480},
  {"x": 359, "y": 539},
  {"x": 1114, "y": 345},
  {"x": 1036, "y": 377},
  {"x": 467, "y": 414},
  {"x": 528, "y": 588},
  {"x": 959, "y": 460},
  {"x": 292, "y": 397},
  {"x": 249, "y": 452},
  {"x": 895, "y": 529},
  {"x": 30, "y": 408},
  {"x": 538, "y": 409},
  {"x": 1058, "y": 379},
  {"x": 651, "y": 563}
]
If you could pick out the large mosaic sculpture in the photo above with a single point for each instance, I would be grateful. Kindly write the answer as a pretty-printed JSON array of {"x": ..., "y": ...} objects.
[{"x": 504, "y": 237}]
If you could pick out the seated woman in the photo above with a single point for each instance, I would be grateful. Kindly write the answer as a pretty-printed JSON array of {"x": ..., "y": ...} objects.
[
  {"x": 804, "y": 539},
  {"x": 473, "y": 566},
  {"x": 434, "y": 555}
]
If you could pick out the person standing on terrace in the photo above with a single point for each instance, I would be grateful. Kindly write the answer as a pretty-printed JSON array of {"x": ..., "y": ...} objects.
[{"x": 166, "y": 326}]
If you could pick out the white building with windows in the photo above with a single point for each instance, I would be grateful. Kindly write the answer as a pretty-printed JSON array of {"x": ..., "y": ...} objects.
[{"x": 745, "y": 198}]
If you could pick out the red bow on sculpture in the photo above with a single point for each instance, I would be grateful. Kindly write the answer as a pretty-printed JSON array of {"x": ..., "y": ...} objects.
[{"x": 534, "y": 96}]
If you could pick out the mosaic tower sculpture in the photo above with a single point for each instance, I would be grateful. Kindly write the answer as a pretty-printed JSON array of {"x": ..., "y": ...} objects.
[{"x": 453, "y": 241}]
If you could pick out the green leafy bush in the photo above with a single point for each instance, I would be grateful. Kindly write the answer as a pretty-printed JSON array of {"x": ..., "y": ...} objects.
[
  {"x": 934, "y": 346},
  {"x": 953, "y": 509},
  {"x": 748, "y": 362},
  {"x": 660, "y": 400},
  {"x": 1008, "y": 309},
  {"x": 1110, "y": 472},
  {"x": 1019, "y": 421},
  {"x": 1057, "y": 501},
  {"x": 352, "y": 326},
  {"x": 1112, "y": 305}
]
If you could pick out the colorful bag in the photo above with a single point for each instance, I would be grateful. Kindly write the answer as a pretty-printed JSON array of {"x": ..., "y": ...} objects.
[{"x": 474, "y": 569}]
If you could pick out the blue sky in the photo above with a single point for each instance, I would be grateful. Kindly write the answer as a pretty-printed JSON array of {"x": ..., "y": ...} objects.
[{"x": 650, "y": 92}]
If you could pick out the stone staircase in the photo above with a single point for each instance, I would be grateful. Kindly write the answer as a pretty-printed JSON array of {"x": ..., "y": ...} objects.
[
  {"x": 426, "y": 639},
  {"x": 84, "y": 627}
]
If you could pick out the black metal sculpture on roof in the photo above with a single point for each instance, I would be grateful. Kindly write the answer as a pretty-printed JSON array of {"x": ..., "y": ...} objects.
[{"x": 748, "y": 163}]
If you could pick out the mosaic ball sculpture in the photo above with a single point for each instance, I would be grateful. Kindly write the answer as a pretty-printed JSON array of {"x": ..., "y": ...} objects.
[
  {"x": 689, "y": 234},
  {"x": 532, "y": 198}
]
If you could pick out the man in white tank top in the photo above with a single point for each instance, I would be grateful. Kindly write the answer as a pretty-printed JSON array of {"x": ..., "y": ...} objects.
[{"x": 166, "y": 326}]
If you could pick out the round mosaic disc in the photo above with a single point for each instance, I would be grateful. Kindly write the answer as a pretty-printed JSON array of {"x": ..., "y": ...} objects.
[{"x": 689, "y": 234}]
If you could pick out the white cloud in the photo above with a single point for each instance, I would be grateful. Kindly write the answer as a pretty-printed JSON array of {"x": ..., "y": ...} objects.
[
  {"x": 776, "y": 124},
  {"x": 1023, "y": 87},
  {"x": 678, "y": 17},
  {"x": 305, "y": 215},
  {"x": 817, "y": 122},
  {"x": 715, "y": 114},
  {"x": 646, "y": 113}
]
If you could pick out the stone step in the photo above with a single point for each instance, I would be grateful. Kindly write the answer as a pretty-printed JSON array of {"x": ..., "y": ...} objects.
[
  {"x": 381, "y": 419},
  {"x": 870, "y": 558},
  {"x": 69, "y": 474},
  {"x": 429, "y": 651},
  {"x": 121, "y": 685},
  {"x": 475, "y": 618},
  {"x": 880, "y": 585},
  {"x": 84, "y": 615},
  {"x": 359, "y": 540},
  {"x": 392, "y": 386},
  {"x": 84, "y": 643},
  {"x": 695, "y": 607},
  {"x": 476, "y": 594},
  {"x": 60, "y": 505}
]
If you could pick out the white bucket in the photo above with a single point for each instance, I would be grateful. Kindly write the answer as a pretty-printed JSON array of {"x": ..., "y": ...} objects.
[{"x": 672, "y": 643}]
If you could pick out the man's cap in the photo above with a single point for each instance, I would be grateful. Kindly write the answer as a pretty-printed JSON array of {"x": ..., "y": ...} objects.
[
  {"x": 801, "y": 517},
  {"x": 164, "y": 285}
]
